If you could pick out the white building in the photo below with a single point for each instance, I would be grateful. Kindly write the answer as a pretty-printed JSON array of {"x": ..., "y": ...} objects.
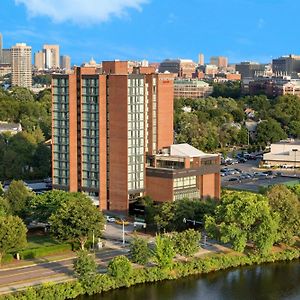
[{"x": 284, "y": 153}]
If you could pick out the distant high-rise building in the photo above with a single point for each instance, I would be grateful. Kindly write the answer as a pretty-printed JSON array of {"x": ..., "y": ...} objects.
[
  {"x": 21, "y": 65},
  {"x": 6, "y": 56},
  {"x": 201, "y": 59},
  {"x": 65, "y": 62},
  {"x": 182, "y": 67},
  {"x": 39, "y": 60},
  {"x": 220, "y": 61},
  {"x": 51, "y": 56},
  {"x": 249, "y": 69},
  {"x": 287, "y": 65}
]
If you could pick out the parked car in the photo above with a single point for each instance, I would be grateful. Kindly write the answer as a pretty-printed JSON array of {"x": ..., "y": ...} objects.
[
  {"x": 110, "y": 219},
  {"x": 120, "y": 222},
  {"x": 234, "y": 179},
  {"x": 242, "y": 160}
]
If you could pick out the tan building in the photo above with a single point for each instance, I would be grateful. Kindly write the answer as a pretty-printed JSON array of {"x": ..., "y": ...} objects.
[
  {"x": 220, "y": 61},
  {"x": 191, "y": 88},
  {"x": 51, "y": 56},
  {"x": 65, "y": 62},
  {"x": 182, "y": 171},
  {"x": 39, "y": 60},
  {"x": 201, "y": 59},
  {"x": 283, "y": 154},
  {"x": 21, "y": 65}
]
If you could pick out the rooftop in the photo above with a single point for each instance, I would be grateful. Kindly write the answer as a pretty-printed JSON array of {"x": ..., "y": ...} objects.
[{"x": 186, "y": 150}]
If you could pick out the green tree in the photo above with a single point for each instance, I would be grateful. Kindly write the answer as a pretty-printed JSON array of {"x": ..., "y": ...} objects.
[
  {"x": 77, "y": 220},
  {"x": 18, "y": 196},
  {"x": 186, "y": 243},
  {"x": 270, "y": 131},
  {"x": 85, "y": 266},
  {"x": 41, "y": 207},
  {"x": 294, "y": 129},
  {"x": 120, "y": 268},
  {"x": 12, "y": 234},
  {"x": 164, "y": 216},
  {"x": 139, "y": 251},
  {"x": 4, "y": 207},
  {"x": 164, "y": 251},
  {"x": 243, "y": 217},
  {"x": 286, "y": 204}
]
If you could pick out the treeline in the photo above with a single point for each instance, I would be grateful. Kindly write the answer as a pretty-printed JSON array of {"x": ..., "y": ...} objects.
[
  {"x": 214, "y": 123},
  {"x": 242, "y": 219},
  {"x": 24, "y": 155}
]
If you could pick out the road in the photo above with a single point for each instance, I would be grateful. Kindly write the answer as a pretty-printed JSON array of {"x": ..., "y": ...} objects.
[{"x": 13, "y": 279}]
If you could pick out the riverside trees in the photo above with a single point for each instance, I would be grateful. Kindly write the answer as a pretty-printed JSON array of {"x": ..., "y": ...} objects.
[{"x": 242, "y": 218}]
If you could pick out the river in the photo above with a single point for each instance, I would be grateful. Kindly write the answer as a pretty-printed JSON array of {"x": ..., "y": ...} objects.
[{"x": 276, "y": 281}]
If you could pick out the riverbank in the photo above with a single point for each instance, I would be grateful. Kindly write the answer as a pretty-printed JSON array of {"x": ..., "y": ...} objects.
[{"x": 103, "y": 282}]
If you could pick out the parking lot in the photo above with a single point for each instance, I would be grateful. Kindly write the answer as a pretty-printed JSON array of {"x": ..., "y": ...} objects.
[{"x": 247, "y": 176}]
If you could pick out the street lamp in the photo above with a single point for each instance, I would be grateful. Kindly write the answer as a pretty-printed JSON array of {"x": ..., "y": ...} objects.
[
  {"x": 123, "y": 232},
  {"x": 295, "y": 159}
]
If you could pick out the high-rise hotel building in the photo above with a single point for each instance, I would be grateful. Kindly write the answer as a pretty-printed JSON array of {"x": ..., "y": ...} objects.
[
  {"x": 103, "y": 126},
  {"x": 107, "y": 128}
]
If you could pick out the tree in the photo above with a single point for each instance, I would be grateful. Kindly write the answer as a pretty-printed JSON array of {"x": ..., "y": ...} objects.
[
  {"x": 41, "y": 207},
  {"x": 285, "y": 203},
  {"x": 4, "y": 207},
  {"x": 77, "y": 220},
  {"x": 12, "y": 234},
  {"x": 139, "y": 251},
  {"x": 120, "y": 268},
  {"x": 18, "y": 195},
  {"x": 85, "y": 266},
  {"x": 186, "y": 243},
  {"x": 270, "y": 131},
  {"x": 243, "y": 217},
  {"x": 164, "y": 215},
  {"x": 164, "y": 252}
]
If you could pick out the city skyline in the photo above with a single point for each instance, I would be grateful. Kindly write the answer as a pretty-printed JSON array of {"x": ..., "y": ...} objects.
[{"x": 140, "y": 29}]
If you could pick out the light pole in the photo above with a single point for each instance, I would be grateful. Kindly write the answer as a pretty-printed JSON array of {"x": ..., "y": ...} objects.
[
  {"x": 295, "y": 159},
  {"x": 123, "y": 232}
]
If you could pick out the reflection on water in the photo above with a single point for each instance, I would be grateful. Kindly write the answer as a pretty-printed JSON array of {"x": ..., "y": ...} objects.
[{"x": 266, "y": 282}]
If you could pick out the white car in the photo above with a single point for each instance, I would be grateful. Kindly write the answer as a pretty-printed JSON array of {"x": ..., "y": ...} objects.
[{"x": 110, "y": 219}]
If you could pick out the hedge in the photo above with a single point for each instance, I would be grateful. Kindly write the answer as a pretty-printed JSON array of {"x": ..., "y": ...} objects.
[
  {"x": 43, "y": 251},
  {"x": 104, "y": 282}
]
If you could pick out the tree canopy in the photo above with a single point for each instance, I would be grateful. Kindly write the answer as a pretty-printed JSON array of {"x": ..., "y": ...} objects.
[
  {"x": 12, "y": 234},
  {"x": 242, "y": 218},
  {"x": 77, "y": 220}
]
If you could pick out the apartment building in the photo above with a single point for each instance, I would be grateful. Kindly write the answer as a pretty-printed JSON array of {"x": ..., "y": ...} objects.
[{"x": 21, "y": 65}]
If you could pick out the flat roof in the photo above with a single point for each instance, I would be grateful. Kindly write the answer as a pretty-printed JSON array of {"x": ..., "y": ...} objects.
[{"x": 186, "y": 150}]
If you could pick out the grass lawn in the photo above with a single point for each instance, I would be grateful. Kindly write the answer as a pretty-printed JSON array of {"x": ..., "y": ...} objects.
[{"x": 38, "y": 241}]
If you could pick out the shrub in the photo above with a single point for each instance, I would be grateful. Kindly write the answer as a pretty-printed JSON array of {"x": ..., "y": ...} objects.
[
  {"x": 139, "y": 251},
  {"x": 186, "y": 243}
]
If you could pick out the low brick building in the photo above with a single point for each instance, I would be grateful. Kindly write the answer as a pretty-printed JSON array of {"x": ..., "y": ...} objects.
[{"x": 182, "y": 171}]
